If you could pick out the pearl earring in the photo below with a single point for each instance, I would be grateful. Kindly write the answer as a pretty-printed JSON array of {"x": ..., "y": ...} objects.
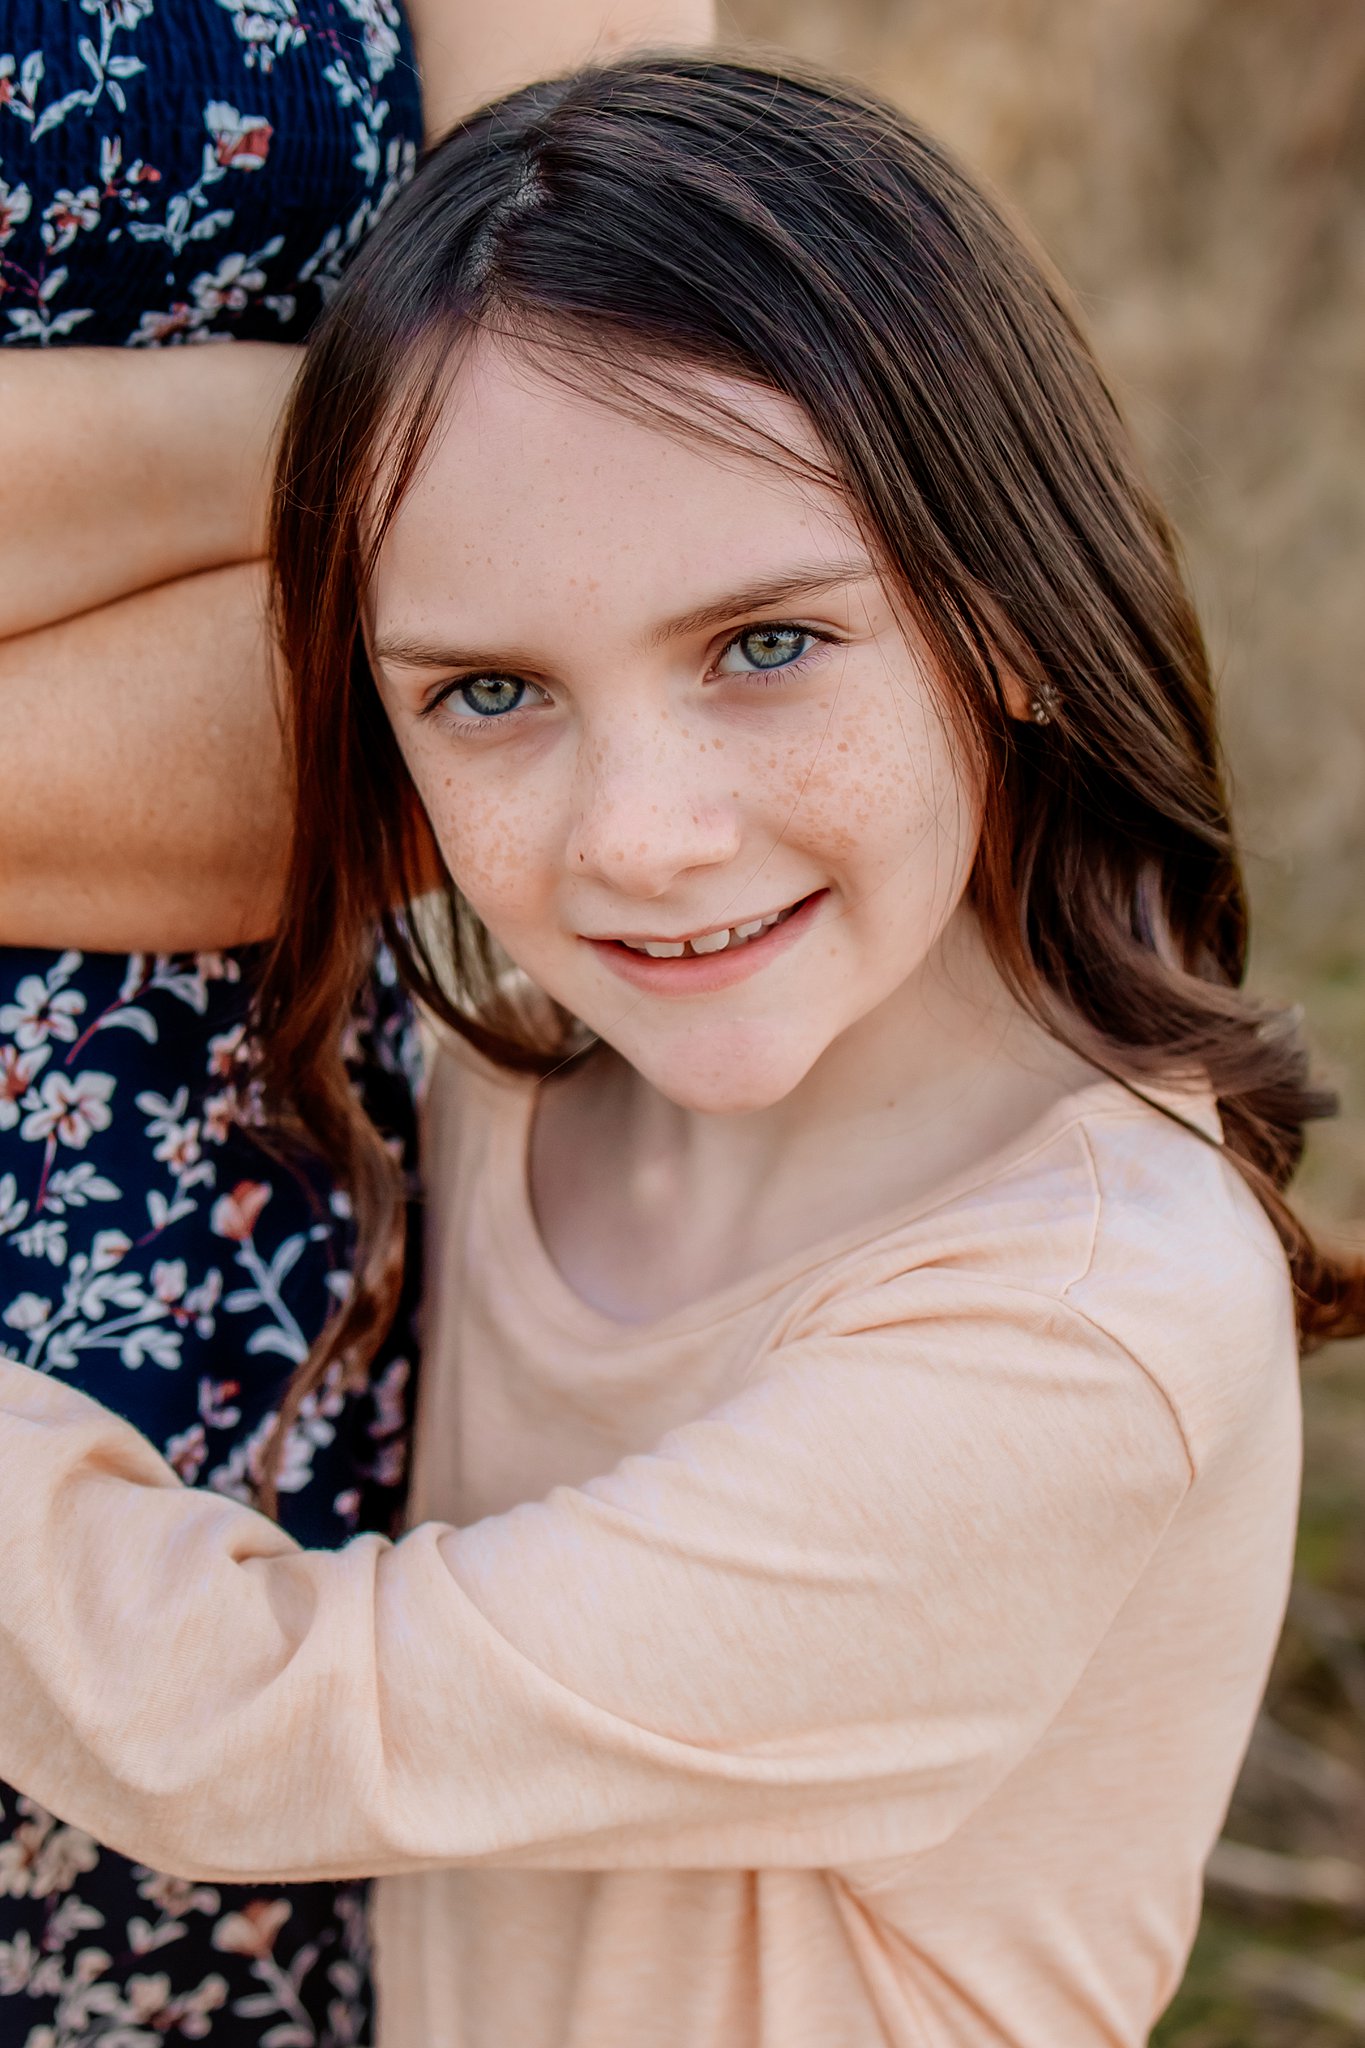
[{"x": 1042, "y": 705}]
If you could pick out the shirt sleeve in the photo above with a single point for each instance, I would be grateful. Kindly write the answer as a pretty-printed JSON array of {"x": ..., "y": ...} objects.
[{"x": 819, "y": 1624}]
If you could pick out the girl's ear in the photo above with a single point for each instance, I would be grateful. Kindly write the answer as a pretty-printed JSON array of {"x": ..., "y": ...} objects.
[
  {"x": 1025, "y": 690},
  {"x": 1019, "y": 699}
]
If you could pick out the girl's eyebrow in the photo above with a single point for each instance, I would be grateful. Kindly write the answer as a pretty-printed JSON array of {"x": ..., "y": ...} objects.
[
  {"x": 809, "y": 579},
  {"x": 805, "y": 580}
]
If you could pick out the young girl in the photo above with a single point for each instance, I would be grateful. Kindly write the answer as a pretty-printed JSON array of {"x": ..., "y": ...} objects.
[{"x": 860, "y": 1444}]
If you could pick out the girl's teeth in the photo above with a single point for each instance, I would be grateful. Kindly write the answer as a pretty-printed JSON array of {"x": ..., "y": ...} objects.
[{"x": 710, "y": 942}]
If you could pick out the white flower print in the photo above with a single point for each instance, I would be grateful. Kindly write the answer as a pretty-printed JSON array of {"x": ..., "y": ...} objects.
[
  {"x": 175, "y": 1895},
  {"x": 379, "y": 25},
  {"x": 12, "y": 1208},
  {"x": 18, "y": 1072},
  {"x": 38, "y": 323},
  {"x": 16, "y": 203},
  {"x": 68, "y": 1108},
  {"x": 17, "y": 1960},
  {"x": 107, "y": 70},
  {"x": 230, "y": 287},
  {"x": 67, "y": 214},
  {"x": 42, "y": 1856},
  {"x": 19, "y": 84},
  {"x": 269, "y": 29},
  {"x": 121, "y": 13},
  {"x": 72, "y": 1187},
  {"x": 28, "y": 1312},
  {"x": 45, "y": 1239},
  {"x": 44, "y": 1007},
  {"x": 186, "y": 1453}
]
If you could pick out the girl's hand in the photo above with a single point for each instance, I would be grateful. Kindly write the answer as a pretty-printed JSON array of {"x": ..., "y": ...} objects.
[{"x": 124, "y": 469}]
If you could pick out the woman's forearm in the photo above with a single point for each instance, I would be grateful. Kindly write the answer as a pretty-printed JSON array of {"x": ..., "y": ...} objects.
[
  {"x": 124, "y": 469},
  {"x": 142, "y": 797},
  {"x": 470, "y": 53}
]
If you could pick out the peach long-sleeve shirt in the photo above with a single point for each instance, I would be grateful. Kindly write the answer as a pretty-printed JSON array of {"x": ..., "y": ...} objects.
[{"x": 863, "y": 1656}]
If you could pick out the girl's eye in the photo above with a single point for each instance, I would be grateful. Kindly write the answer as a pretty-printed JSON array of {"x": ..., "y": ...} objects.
[
  {"x": 765, "y": 647},
  {"x": 486, "y": 696}
]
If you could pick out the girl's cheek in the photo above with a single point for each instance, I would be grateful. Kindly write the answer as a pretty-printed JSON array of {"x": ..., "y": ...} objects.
[{"x": 488, "y": 838}]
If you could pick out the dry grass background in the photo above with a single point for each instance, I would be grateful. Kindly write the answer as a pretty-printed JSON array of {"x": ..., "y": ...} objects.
[{"x": 1196, "y": 168}]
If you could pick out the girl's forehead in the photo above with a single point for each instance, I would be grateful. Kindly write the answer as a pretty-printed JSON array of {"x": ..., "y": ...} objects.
[{"x": 535, "y": 468}]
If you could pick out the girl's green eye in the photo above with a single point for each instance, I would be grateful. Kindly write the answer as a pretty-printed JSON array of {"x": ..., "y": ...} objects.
[
  {"x": 765, "y": 647},
  {"x": 488, "y": 696}
]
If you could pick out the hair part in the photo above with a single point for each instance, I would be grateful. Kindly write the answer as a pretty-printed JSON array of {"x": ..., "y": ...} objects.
[{"x": 658, "y": 221}]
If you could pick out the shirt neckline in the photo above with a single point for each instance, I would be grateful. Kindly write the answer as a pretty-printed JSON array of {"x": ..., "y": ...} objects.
[{"x": 517, "y": 1238}]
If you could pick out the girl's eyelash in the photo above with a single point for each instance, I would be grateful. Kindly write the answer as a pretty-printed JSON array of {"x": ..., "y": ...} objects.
[{"x": 785, "y": 668}]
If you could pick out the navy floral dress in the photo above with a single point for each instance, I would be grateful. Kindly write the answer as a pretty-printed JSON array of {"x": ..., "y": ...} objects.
[{"x": 178, "y": 172}]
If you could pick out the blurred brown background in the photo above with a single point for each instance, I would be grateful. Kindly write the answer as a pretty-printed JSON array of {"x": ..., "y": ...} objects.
[{"x": 1196, "y": 168}]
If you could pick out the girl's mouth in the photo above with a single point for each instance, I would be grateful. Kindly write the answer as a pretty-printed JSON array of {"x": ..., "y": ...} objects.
[{"x": 711, "y": 960}]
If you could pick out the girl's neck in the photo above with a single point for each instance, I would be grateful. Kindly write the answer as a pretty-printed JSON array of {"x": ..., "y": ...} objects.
[{"x": 645, "y": 1207}]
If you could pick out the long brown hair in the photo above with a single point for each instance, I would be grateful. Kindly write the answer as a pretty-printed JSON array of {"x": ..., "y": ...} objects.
[{"x": 665, "y": 216}]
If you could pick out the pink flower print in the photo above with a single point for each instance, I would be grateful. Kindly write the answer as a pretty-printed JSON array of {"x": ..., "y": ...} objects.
[
  {"x": 179, "y": 1146},
  {"x": 68, "y": 213},
  {"x": 227, "y": 1051},
  {"x": 201, "y": 1301},
  {"x": 269, "y": 28},
  {"x": 18, "y": 1072},
  {"x": 241, "y": 142},
  {"x": 42, "y": 1857},
  {"x": 40, "y": 1012},
  {"x": 158, "y": 327},
  {"x": 219, "y": 1116},
  {"x": 215, "y": 1403},
  {"x": 228, "y": 288},
  {"x": 69, "y": 1109},
  {"x": 169, "y": 1280},
  {"x": 16, "y": 201},
  {"x": 176, "y": 1896},
  {"x": 185, "y": 1454},
  {"x": 149, "y": 2004},
  {"x": 116, "y": 183},
  {"x": 236, "y": 1215},
  {"x": 252, "y": 1931}
]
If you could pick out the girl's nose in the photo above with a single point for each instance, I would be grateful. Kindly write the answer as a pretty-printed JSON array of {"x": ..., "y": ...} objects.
[{"x": 645, "y": 815}]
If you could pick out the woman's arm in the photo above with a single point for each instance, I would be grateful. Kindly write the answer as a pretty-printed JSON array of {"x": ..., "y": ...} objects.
[
  {"x": 471, "y": 51},
  {"x": 142, "y": 793},
  {"x": 821, "y": 1624},
  {"x": 125, "y": 468}
]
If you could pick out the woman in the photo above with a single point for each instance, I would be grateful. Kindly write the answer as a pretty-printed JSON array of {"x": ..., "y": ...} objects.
[
  {"x": 196, "y": 174},
  {"x": 862, "y": 1396}
]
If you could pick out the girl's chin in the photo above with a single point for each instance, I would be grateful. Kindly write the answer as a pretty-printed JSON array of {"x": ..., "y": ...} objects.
[{"x": 714, "y": 1085}]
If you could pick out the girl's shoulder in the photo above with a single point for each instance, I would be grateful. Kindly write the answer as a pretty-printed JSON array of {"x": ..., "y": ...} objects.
[{"x": 1117, "y": 1219}]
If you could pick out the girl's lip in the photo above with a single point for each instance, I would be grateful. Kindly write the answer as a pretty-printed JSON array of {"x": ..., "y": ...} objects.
[{"x": 704, "y": 974}]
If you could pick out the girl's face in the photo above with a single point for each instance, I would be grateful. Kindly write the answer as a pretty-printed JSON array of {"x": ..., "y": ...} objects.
[{"x": 680, "y": 753}]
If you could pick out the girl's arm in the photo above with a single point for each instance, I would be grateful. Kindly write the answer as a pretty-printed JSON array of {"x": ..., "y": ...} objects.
[
  {"x": 471, "y": 51},
  {"x": 819, "y": 1625},
  {"x": 125, "y": 468},
  {"x": 142, "y": 798}
]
